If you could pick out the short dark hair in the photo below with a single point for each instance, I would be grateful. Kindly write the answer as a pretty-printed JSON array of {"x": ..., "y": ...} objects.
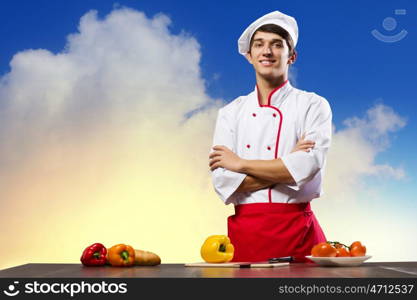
[{"x": 272, "y": 28}]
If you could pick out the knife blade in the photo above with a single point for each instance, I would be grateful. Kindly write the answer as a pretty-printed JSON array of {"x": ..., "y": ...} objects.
[{"x": 268, "y": 263}]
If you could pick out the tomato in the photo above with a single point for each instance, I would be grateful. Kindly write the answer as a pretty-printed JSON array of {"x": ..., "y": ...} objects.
[
  {"x": 342, "y": 252},
  {"x": 357, "y": 243},
  {"x": 357, "y": 249},
  {"x": 323, "y": 249}
]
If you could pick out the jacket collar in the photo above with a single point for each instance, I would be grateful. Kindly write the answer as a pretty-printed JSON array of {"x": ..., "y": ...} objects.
[{"x": 277, "y": 95}]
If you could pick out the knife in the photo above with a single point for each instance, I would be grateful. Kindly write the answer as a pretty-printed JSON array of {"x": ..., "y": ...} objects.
[
  {"x": 269, "y": 263},
  {"x": 281, "y": 259}
]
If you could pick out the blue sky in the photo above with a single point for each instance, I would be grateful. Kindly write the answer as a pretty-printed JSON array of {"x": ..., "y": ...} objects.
[{"x": 338, "y": 57}]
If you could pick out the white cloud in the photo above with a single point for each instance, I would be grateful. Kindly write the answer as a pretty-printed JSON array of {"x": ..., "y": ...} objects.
[
  {"x": 380, "y": 120},
  {"x": 97, "y": 134},
  {"x": 351, "y": 209},
  {"x": 124, "y": 69},
  {"x": 355, "y": 148}
]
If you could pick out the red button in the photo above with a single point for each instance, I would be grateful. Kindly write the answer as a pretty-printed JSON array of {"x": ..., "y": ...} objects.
[
  {"x": 247, "y": 146},
  {"x": 274, "y": 115},
  {"x": 254, "y": 114},
  {"x": 269, "y": 148}
]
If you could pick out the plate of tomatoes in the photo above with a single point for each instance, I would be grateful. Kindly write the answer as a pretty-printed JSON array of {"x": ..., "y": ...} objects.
[{"x": 338, "y": 254}]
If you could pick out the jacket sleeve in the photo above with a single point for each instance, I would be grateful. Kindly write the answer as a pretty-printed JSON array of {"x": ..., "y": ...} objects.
[
  {"x": 303, "y": 166},
  {"x": 225, "y": 182}
]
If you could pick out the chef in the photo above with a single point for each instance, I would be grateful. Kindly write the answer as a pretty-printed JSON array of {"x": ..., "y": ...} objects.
[{"x": 269, "y": 150}]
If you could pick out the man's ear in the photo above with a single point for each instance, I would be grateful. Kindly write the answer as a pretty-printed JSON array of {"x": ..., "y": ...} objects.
[
  {"x": 292, "y": 58},
  {"x": 249, "y": 57}
]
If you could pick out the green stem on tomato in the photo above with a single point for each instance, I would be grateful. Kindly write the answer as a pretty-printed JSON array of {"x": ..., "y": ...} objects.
[{"x": 337, "y": 243}]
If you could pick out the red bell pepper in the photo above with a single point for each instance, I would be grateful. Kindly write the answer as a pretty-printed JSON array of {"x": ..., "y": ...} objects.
[{"x": 94, "y": 255}]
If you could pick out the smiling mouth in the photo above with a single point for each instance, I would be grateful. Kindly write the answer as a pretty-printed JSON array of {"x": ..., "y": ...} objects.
[{"x": 267, "y": 62}]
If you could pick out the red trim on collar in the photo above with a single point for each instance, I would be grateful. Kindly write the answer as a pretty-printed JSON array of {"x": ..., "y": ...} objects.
[{"x": 270, "y": 94}]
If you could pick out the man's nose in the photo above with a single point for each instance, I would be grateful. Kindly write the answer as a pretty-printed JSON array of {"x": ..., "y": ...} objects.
[{"x": 267, "y": 51}]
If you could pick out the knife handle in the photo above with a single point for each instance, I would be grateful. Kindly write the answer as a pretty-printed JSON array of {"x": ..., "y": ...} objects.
[{"x": 280, "y": 259}]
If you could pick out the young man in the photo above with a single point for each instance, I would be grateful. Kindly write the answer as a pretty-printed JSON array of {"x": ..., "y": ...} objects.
[{"x": 269, "y": 150}]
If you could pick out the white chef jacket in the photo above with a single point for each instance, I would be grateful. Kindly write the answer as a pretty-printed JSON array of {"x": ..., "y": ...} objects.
[{"x": 265, "y": 132}]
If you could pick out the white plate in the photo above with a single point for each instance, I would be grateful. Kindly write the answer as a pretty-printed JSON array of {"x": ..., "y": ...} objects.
[{"x": 340, "y": 261}]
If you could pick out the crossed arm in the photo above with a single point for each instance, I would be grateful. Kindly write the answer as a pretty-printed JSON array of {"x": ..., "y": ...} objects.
[
  {"x": 251, "y": 184},
  {"x": 260, "y": 173}
]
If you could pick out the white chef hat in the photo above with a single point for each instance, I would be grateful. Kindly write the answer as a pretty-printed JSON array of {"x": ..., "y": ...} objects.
[{"x": 288, "y": 23}]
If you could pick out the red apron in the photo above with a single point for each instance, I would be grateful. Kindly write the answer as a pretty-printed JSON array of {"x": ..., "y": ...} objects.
[{"x": 260, "y": 231}]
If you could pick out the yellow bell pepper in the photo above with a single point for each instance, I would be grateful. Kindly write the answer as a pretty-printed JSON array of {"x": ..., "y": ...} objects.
[{"x": 217, "y": 249}]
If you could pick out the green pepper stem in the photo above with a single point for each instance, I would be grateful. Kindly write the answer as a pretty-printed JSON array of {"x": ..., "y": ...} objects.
[
  {"x": 124, "y": 254},
  {"x": 222, "y": 248}
]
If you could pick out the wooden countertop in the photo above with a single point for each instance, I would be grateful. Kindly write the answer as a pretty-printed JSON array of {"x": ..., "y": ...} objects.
[{"x": 293, "y": 270}]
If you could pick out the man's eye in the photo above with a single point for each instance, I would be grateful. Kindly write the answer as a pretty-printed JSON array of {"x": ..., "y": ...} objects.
[
  {"x": 278, "y": 45},
  {"x": 258, "y": 44}
]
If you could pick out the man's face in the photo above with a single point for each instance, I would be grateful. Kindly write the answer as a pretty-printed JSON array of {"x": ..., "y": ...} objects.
[{"x": 269, "y": 55}]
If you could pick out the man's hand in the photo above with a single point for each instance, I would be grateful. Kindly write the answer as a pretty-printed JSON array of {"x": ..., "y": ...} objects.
[
  {"x": 303, "y": 145},
  {"x": 225, "y": 158},
  {"x": 252, "y": 184}
]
